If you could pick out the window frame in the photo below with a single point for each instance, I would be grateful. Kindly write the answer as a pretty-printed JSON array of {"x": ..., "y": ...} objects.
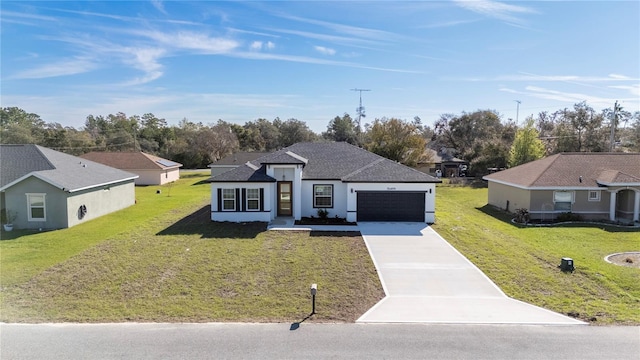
[
  {"x": 570, "y": 202},
  {"x": 596, "y": 198},
  {"x": 256, "y": 199},
  {"x": 322, "y": 196},
  {"x": 225, "y": 199},
  {"x": 30, "y": 207}
]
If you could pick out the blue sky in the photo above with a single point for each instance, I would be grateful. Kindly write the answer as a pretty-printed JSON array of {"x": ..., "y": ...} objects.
[{"x": 239, "y": 61}]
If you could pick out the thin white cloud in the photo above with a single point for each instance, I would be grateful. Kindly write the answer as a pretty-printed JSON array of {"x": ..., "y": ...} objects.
[
  {"x": 259, "y": 45},
  {"x": 632, "y": 89},
  {"x": 146, "y": 60},
  {"x": 59, "y": 68},
  {"x": 359, "y": 32},
  {"x": 446, "y": 24},
  {"x": 256, "y": 45},
  {"x": 328, "y": 38},
  {"x": 8, "y": 15},
  {"x": 568, "y": 97},
  {"x": 325, "y": 50},
  {"x": 159, "y": 5},
  {"x": 190, "y": 40},
  {"x": 497, "y": 10}
]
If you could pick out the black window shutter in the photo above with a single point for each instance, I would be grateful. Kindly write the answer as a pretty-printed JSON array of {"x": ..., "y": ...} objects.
[
  {"x": 244, "y": 199},
  {"x": 261, "y": 199},
  {"x": 237, "y": 199},
  {"x": 219, "y": 199}
]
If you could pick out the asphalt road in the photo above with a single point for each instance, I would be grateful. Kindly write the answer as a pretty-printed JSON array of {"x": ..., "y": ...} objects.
[{"x": 316, "y": 341}]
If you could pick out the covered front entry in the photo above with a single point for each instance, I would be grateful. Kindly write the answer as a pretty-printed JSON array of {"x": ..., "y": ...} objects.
[
  {"x": 285, "y": 198},
  {"x": 390, "y": 206}
]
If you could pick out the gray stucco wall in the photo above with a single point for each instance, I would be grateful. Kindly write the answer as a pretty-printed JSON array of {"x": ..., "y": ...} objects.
[
  {"x": 99, "y": 202},
  {"x": 500, "y": 194},
  {"x": 61, "y": 208}
]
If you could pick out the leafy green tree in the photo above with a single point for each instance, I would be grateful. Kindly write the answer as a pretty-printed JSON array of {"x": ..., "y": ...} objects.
[
  {"x": 342, "y": 129},
  {"x": 527, "y": 146},
  {"x": 478, "y": 137},
  {"x": 396, "y": 139},
  {"x": 293, "y": 131},
  {"x": 20, "y": 127}
]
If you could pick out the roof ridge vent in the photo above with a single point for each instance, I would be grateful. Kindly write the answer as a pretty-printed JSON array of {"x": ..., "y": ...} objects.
[{"x": 292, "y": 154}]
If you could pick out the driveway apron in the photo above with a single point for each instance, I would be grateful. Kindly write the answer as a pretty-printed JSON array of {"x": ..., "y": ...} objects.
[{"x": 426, "y": 280}]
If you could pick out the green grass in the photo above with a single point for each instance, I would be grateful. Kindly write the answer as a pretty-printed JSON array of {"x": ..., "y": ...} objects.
[
  {"x": 164, "y": 260},
  {"x": 523, "y": 261}
]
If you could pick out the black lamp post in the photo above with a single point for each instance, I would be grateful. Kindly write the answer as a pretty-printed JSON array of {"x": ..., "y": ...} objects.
[{"x": 314, "y": 290}]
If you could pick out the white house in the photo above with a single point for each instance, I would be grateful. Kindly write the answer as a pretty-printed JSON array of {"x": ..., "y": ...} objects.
[{"x": 347, "y": 181}]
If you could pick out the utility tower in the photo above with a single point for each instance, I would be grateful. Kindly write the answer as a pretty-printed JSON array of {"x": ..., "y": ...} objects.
[
  {"x": 614, "y": 123},
  {"x": 360, "y": 108},
  {"x": 517, "y": 110}
]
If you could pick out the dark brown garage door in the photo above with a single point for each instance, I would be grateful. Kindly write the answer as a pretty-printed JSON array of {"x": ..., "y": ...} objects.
[{"x": 390, "y": 206}]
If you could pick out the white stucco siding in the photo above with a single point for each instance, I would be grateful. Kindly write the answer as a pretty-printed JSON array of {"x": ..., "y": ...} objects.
[
  {"x": 266, "y": 215},
  {"x": 99, "y": 202},
  {"x": 156, "y": 177},
  {"x": 339, "y": 207},
  {"x": 428, "y": 188}
]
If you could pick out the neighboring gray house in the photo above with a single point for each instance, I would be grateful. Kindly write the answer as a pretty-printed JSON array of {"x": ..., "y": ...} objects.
[
  {"x": 234, "y": 160},
  {"x": 592, "y": 185},
  {"x": 151, "y": 169},
  {"x": 347, "y": 181},
  {"x": 442, "y": 163},
  {"x": 48, "y": 189}
]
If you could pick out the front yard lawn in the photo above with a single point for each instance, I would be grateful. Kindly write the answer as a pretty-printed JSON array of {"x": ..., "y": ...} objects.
[
  {"x": 523, "y": 261},
  {"x": 140, "y": 264},
  {"x": 163, "y": 260}
]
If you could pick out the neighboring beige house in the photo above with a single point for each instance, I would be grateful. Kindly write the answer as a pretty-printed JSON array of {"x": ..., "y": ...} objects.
[
  {"x": 234, "y": 160},
  {"x": 48, "y": 189},
  {"x": 151, "y": 170},
  {"x": 442, "y": 163},
  {"x": 592, "y": 185}
]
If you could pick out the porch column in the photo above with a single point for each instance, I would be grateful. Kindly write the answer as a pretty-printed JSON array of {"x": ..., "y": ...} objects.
[
  {"x": 612, "y": 205},
  {"x": 636, "y": 207}
]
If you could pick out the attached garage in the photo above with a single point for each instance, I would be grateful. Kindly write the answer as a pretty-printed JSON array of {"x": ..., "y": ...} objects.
[{"x": 406, "y": 206}]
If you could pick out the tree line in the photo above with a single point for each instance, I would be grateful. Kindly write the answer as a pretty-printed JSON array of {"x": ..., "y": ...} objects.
[{"x": 481, "y": 137}]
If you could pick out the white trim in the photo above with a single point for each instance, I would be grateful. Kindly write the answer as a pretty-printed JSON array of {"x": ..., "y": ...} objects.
[
  {"x": 228, "y": 199},
  {"x": 596, "y": 198},
  {"x": 252, "y": 198},
  {"x": 560, "y": 188},
  {"x": 30, "y": 207},
  {"x": 315, "y": 196},
  {"x": 294, "y": 155},
  {"x": 54, "y": 184}
]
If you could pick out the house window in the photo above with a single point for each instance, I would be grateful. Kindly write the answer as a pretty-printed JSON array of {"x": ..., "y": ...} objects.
[
  {"x": 37, "y": 207},
  {"x": 594, "y": 195},
  {"x": 322, "y": 196},
  {"x": 253, "y": 199},
  {"x": 228, "y": 199},
  {"x": 562, "y": 200}
]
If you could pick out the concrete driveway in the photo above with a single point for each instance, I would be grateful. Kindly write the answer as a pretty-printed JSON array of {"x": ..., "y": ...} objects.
[{"x": 427, "y": 280}]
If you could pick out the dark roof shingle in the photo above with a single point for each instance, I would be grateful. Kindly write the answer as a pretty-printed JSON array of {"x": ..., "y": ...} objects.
[
  {"x": 332, "y": 161},
  {"x": 67, "y": 172}
]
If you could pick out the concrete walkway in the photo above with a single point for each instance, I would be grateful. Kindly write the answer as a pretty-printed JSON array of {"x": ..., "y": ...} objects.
[{"x": 426, "y": 280}]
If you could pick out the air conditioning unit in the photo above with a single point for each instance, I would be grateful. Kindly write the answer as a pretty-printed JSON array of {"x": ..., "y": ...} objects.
[{"x": 566, "y": 264}]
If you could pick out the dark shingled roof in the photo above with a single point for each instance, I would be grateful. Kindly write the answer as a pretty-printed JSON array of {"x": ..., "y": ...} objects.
[
  {"x": 61, "y": 170},
  {"x": 574, "y": 170},
  {"x": 238, "y": 158},
  {"x": 331, "y": 161}
]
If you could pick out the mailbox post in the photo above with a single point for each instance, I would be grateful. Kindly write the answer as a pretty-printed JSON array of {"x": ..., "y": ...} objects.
[{"x": 314, "y": 290}]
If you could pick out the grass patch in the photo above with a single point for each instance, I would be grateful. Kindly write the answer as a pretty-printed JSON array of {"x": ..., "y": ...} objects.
[
  {"x": 141, "y": 264},
  {"x": 523, "y": 261}
]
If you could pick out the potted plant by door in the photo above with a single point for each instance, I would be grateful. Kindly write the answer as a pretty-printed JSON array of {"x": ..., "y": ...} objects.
[{"x": 8, "y": 217}]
